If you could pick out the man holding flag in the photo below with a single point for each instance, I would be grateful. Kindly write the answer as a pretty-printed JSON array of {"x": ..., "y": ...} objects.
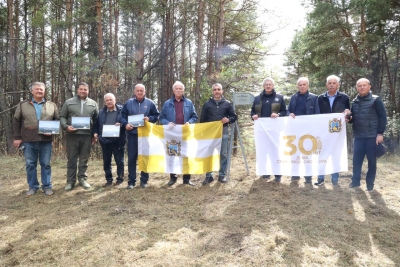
[
  {"x": 219, "y": 109},
  {"x": 176, "y": 111}
]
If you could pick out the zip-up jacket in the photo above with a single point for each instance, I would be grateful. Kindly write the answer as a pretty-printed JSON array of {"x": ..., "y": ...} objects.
[
  {"x": 340, "y": 103},
  {"x": 168, "y": 111},
  {"x": 368, "y": 116},
  {"x": 26, "y": 124},
  {"x": 134, "y": 107},
  {"x": 72, "y": 108},
  {"x": 264, "y": 105},
  {"x": 217, "y": 110},
  {"x": 311, "y": 105},
  {"x": 98, "y": 127}
]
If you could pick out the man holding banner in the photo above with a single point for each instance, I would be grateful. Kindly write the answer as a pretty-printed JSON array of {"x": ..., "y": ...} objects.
[
  {"x": 332, "y": 101},
  {"x": 218, "y": 108},
  {"x": 268, "y": 104},
  {"x": 303, "y": 103},
  {"x": 178, "y": 110}
]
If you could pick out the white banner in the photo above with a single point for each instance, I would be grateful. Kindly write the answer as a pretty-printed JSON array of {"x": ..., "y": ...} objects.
[{"x": 307, "y": 145}]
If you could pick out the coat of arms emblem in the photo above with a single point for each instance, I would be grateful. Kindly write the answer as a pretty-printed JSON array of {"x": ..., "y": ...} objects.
[
  {"x": 335, "y": 125},
  {"x": 173, "y": 148}
]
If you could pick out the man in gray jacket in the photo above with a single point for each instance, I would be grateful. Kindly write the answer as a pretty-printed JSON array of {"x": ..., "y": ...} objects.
[{"x": 79, "y": 141}]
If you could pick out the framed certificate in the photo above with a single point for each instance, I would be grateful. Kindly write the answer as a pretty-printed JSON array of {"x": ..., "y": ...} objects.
[
  {"x": 49, "y": 127},
  {"x": 110, "y": 131},
  {"x": 136, "y": 120},
  {"x": 80, "y": 122}
]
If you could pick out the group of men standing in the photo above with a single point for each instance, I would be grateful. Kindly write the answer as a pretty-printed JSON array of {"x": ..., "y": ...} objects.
[
  {"x": 367, "y": 115},
  {"x": 177, "y": 110}
]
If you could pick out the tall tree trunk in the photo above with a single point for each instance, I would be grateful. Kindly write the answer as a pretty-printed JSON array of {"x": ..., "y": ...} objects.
[
  {"x": 199, "y": 53},
  {"x": 221, "y": 30},
  {"x": 99, "y": 28}
]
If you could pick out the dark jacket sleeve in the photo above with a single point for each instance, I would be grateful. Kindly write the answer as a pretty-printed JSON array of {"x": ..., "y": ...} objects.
[
  {"x": 232, "y": 114},
  {"x": 381, "y": 112},
  {"x": 153, "y": 113},
  {"x": 124, "y": 115},
  {"x": 283, "y": 111},
  {"x": 203, "y": 115}
]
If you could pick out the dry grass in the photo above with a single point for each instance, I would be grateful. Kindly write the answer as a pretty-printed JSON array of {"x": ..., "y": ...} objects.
[{"x": 246, "y": 222}]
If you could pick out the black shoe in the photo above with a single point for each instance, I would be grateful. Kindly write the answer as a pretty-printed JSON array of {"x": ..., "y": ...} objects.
[
  {"x": 188, "y": 182},
  {"x": 295, "y": 178},
  {"x": 208, "y": 180},
  {"x": 266, "y": 177},
  {"x": 143, "y": 185},
  {"x": 277, "y": 180},
  {"x": 119, "y": 182},
  {"x": 319, "y": 183},
  {"x": 351, "y": 185},
  {"x": 222, "y": 179},
  {"x": 108, "y": 183},
  {"x": 171, "y": 182}
]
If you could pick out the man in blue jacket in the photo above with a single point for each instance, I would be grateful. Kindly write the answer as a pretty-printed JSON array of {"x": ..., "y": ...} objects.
[
  {"x": 139, "y": 104},
  {"x": 332, "y": 101},
  {"x": 111, "y": 115},
  {"x": 218, "y": 108},
  {"x": 178, "y": 110},
  {"x": 369, "y": 119},
  {"x": 303, "y": 103}
]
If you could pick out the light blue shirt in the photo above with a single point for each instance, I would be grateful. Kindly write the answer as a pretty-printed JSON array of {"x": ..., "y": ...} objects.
[
  {"x": 38, "y": 107},
  {"x": 331, "y": 98}
]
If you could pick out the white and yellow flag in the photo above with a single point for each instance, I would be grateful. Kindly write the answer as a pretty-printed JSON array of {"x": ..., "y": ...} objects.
[
  {"x": 307, "y": 145},
  {"x": 180, "y": 149}
]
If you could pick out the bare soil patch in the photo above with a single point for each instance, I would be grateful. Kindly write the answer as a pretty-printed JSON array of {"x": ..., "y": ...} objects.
[{"x": 249, "y": 221}]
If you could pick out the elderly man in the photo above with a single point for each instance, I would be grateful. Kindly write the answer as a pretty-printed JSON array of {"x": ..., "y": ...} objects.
[
  {"x": 178, "y": 110},
  {"x": 303, "y": 103},
  {"x": 219, "y": 109},
  {"x": 139, "y": 104},
  {"x": 111, "y": 115},
  {"x": 332, "y": 101},
  {"x": 27, "y": 138},
  {"x": 79, "y": 141},
  {"x": 269, "y": 104},
  {"x": 369, "y": 120}
]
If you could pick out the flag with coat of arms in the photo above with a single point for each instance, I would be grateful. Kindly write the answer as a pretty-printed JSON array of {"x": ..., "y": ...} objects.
[{"x": 180, "y": 149}]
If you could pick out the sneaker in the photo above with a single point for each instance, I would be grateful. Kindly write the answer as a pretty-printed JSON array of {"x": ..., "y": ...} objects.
[
  {"x": 295, "y": 178},
  {"x": 83, "y": 183},
  {"x": 222, "y": 179},
  {"x": 48, "y": 191},
  {"x": 130, "y": 186},
  {"x": 68, "y": 187},
  {"x": 208, "y": 180},
  {"x": 31, "y": 191},
  {"x": 108, "y": 183},
  {"x": 266, "y": 177},
  {"x": 319, "y": 183},
  {"x": 188, "y": 182},
  {"x": 143, "y": 185},
  {"x": 369, "y": 189}
]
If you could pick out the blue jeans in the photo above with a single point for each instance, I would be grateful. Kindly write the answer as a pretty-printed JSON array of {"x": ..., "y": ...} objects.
[
  {"x": 34, "y": 151},
  {"x": 108, "y": 151},
  {"x": 334, "y": 178},
  {"x": 364, "y": 147},
  {"x": 132, "y": 159},
  {"x": 223, "y": 157}
]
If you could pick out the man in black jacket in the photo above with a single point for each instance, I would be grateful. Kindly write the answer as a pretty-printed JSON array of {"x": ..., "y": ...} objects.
[
  {"x": 268, "y": 104},
  {"x": 369, "y": 120},
  {"x": 110, "y": 115},
  {"x": 332, "y": 101},
  {"x": 217, "y": 108}
]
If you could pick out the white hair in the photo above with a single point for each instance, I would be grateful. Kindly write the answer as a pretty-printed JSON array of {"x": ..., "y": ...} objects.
[
  {"x": 178, "y": 83},
  {"x": 330, "y": 77},
  {"x": 42, "y": 85},
  {"x": 303, "y": 79},
  {"x": 109, "y": 94},
  {"x": 268, "y": 79}
]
